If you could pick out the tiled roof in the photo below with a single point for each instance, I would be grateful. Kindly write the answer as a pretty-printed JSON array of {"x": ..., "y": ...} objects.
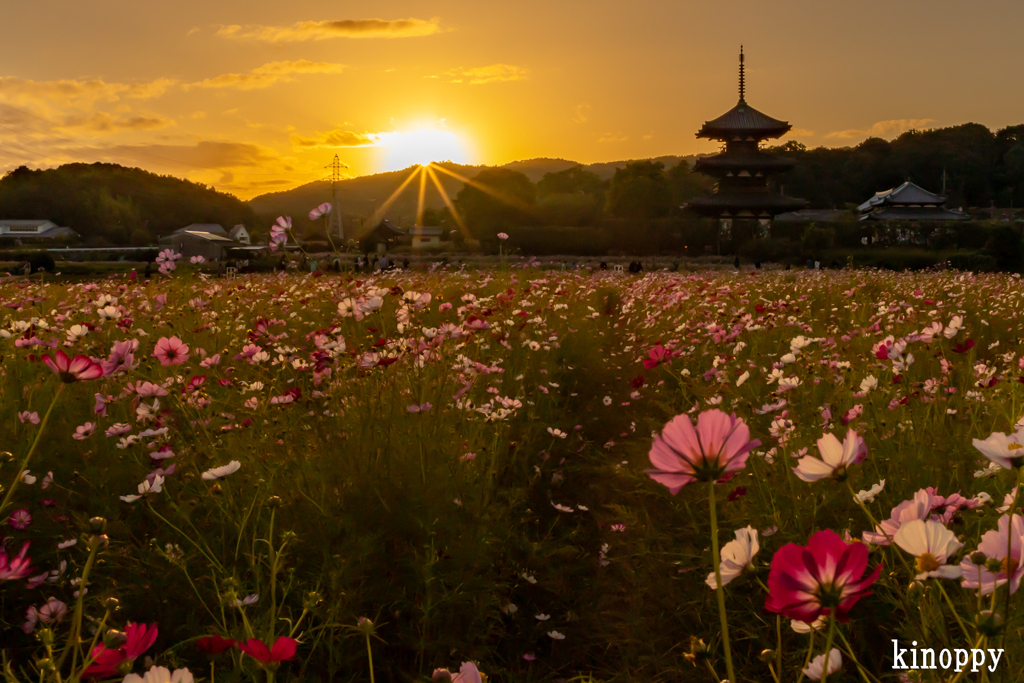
[
  {"x": 906, "y": 194},
  {"x": 743, "y": 119},
  {"x": 914, "y": 213}
]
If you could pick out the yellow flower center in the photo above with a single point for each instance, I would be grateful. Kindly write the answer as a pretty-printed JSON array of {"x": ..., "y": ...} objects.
[
  {"x": 1009, "y": 566},
  {"x": 1014, "y": 446},
  {"x": 927, "y": 563}
]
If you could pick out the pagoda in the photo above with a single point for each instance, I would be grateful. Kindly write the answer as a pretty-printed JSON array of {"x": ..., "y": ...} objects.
[{"x": 743, "y": 167}]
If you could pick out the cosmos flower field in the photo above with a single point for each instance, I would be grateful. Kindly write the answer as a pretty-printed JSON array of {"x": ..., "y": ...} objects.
[{"x": 531, "y": 474}]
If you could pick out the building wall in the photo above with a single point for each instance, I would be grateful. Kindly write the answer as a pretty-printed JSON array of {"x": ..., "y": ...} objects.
[{"x": 425, "y": 242}]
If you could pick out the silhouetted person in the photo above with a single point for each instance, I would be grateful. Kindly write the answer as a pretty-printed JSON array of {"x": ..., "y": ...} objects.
[
  {"x": 604, "y": 265},
  {"x": 149, "y": 269},
  {"x": 281, "y": 263},
  {"x": 405, "y": 263},
  {"x": 675, "y": 266},
  {"x": 757, "y": 264},
  {"x": 810, "y": 264},
  {"x": 736, "y": 262}
]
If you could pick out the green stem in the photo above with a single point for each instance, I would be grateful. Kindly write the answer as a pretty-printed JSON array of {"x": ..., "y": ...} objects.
[
  {"x": 828, "y": 647},
  {"x": 32, "y": 450},
  {"x": 76, "y": 628},
  {"x": 369, "y": 654},
  {"x": 720, "y": 591}
]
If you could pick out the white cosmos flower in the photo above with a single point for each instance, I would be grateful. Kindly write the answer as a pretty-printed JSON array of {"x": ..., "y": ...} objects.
[
  {"x": 736, "y": 556},
  {"x": 814, "y": 671},
  {"x": 556, "y": 635},
  {"x": 835, "y": 457},
  {"x": 743, "y": 378},
  {"x": 868, "y": 383},
  {"x": 802, "y": 627},
  {"x": 1005, "y": 450},
  {"x": 160, "y": 674},
  {"x": 222, "y": 471},
  {"x": 869, "y": 495},
  {"x": 145, "y": 487},
  {"x": 932, "y": 544}
]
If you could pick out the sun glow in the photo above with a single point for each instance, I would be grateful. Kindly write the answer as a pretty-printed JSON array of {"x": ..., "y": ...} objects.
[{"x": 420, "y": 147}]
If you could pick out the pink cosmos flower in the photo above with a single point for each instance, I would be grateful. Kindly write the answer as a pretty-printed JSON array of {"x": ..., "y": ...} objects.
[
  {"x": 121, "y": 357},
  {"x": 14, "y": 568},
  {"x": 994, "y": 544},
  {"x": 82, "y": 432},
  {"x": 718, "y": 446},
  {"x": 320, "y": 211},
  {"x": 1006, "y": 451},
  {"x": 73, "y": 370},
  {"x": 197, "y": 260},
  {"x": 171, "y": 351},
  {"x": 20, "y": 519},
  {"x": 502, "y": 236},
  {"x": 656, "y": 356},
  {"x": 825, "y": 577},
  {"x": 26, "y": 416},
  {"x": 101, "y": 404},
  {"x": 835, "y": 457},
  {"x": 920, "y": 507}
]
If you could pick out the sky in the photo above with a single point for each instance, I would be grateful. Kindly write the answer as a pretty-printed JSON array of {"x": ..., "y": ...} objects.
[{"x": 256, "y": 96}]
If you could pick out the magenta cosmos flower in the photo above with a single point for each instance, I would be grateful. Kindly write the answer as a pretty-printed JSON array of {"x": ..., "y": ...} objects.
[
  {"x": 106, "y": 661},
  {"x": 17, "y": 567},
  {"x": 825, "y": 577},
  {"x": 171, "y": 351},
  {"x": 718, "y": 446},
  {"x": 75, "y": 369}
]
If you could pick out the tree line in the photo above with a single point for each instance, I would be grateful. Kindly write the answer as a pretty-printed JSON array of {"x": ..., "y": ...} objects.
[{"x": 112, "y": 205}]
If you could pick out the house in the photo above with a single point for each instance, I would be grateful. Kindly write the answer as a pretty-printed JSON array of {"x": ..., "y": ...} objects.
[
  {"x": 814, "y": 216},
  {"x": 34, "y": 229},
  {"x": 425, "y": 236},
  {"x": 908, "y": 202},
  {"x": 385, "y": 234},
  {"x": 240, "y": 234},
  {"x": 189, "y": 243}
]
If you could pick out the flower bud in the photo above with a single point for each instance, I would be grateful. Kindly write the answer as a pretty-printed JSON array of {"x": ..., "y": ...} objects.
[
  {"x": 114, "y": 639},
  {"x": 312, "y": 600},
  {"x": 698, "y": 651},
  {"x": 45, "y": 637},
  {"x": 274, "y": 502},
  {"x": 441, "y": 676},
  {"x": 111, "y": 604},
  {"x": 994, "y": 565},
  {"x": 365, "y": 626},
  {"x": 45, "y": 665},
  {"x": 978, "y": 557},
  {"x": 989, "y": 623},
  {"x": 97, "y": 525},
  {"x": 767, "y": 655}
]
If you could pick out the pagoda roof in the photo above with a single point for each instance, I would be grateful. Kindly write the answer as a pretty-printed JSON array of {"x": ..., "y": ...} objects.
[
  {"x": 907, "y": 194},
  {"x": 738, "y": 161},
  {"x": 741, "y": 204},
  {"x": 743, "y": 121}
]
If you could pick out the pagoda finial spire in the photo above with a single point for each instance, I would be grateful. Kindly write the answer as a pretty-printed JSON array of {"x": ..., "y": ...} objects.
[{"x": 742, "y": 85}]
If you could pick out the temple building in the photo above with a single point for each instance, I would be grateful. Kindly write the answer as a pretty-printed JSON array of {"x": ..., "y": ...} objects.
[
  {"x": 908, "y": 202},
  {"x": 743, "y": 167}
]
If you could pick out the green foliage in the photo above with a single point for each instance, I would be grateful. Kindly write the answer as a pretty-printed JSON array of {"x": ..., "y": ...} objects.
[
  {"x": 1006, "y": 246},
  {"x": 640, "y": 191},
  {"x": 572, "y": 181},
  {"x": 109, "y": 204},
  {"x": 816, "y": 239},
  {"x": 497, "y": 199}
]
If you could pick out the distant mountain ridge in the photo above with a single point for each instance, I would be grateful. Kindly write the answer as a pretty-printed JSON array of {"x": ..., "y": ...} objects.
[{"x": 360, "y": 196}]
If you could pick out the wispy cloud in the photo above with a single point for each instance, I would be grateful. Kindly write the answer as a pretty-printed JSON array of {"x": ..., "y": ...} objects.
[
  {"x": 487, "y": 74},
  {"x": 801, "y": 132},
  {"x": 205, "y": 154},
  {"x": 613, "y": 137},
  {"x": 582, "y": 113},
  {"x": 102, "y": 122},
  {"x": 882, "y": 129},
  {"x": 334, "y": 138},
  {"x": 78, "y": 92},
  {"x": 344, "y": 28},
  {"x": 267, "y": 75}
]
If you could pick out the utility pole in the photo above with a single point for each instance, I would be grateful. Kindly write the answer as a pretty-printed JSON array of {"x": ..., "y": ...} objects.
[{"x": 334, "y": 226}]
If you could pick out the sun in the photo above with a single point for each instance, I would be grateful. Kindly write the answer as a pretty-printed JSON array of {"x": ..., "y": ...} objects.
[{"x": 420, "y": 147}]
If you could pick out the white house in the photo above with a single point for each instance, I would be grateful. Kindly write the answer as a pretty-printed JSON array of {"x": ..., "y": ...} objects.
[
  {"x": 240, "y": 234},
  {"x": 15, "y": 229},
  {"x": 425, "y": 236}
]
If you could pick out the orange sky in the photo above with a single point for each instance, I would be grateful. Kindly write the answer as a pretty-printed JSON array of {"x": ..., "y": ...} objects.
[{"x": 258, "y": 96}]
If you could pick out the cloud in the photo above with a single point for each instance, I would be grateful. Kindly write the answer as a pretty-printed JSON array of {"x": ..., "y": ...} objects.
[
  {"x": 77, "y": 92},
  {"x": 582, "y": 113},
  {"x": 267, "y": 75},
  {"x": 613, "y": 137},
  {"x": 882, "y": 129},
  {"x": 202, "y": 155},
  {"x": 345, "y": 28},
  {"x": 335, "y": 138},
  {"x": 487, "y": 74},
  {"x": 102, "y": 122},
  {"x": 801, "y": 132}
]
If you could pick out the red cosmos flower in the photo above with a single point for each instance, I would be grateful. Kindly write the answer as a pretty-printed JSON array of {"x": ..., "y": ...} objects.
[
  {"x": 718, "y": 446},
  {"x": 637, "y": 382},
  {"x": 964, "y": 347},
  {"x": 73, "y": 370},
  {"x": 658, "y": 355},
  {"x": 140, "y": 638},
  {"x": 282, "y": 651},
  {"x": 214, "y": 645},
  {"x": 825, "y": 577}
]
